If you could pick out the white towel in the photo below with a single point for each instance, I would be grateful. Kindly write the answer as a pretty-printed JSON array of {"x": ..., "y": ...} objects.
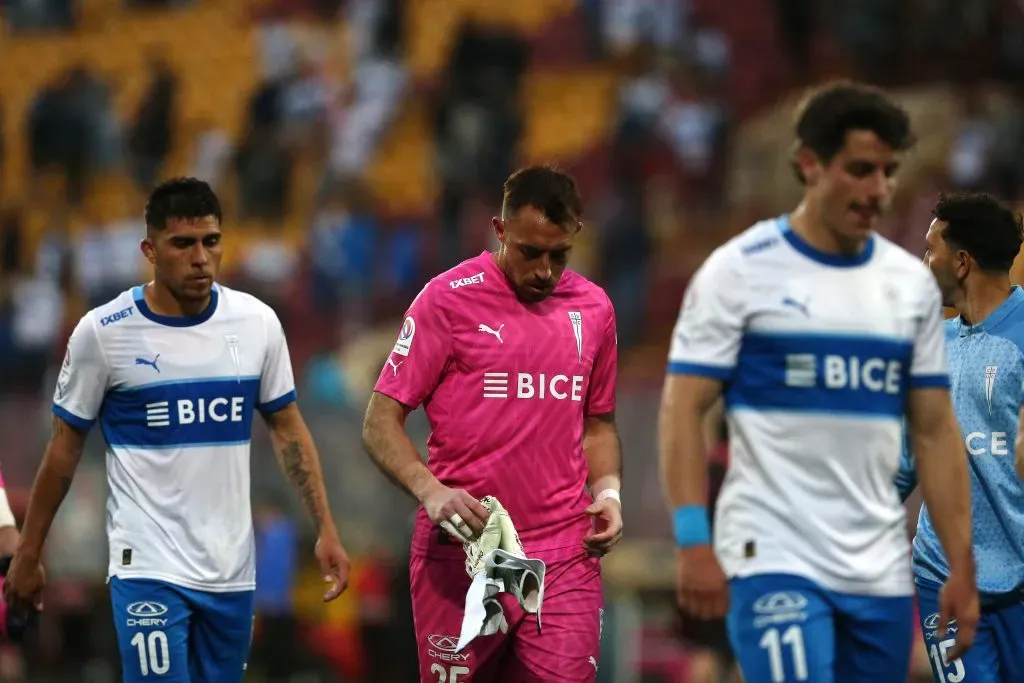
[{"x": 497, "y": 563}]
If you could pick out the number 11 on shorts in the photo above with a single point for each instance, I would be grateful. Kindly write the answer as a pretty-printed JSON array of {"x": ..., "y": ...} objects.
[{"x": 793, "y": 638}]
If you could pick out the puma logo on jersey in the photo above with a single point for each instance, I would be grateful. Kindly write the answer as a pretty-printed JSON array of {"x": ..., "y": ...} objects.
[
  {"x": 496, "y": 333},
  {"x": 150, "y": 363},
  {"x": 394, "y": 366},
  {"x": 794, "y": 304}
]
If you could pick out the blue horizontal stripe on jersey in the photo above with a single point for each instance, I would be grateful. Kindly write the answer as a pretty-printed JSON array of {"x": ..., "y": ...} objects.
[
  {"x": 844, "y": 374},
  {"x": 196, "y": 413},
  {"x": 71, "y": 418}
]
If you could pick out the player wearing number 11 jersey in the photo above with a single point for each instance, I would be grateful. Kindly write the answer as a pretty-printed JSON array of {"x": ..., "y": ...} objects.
[
  {"x": 821, "y": 336},
  {"x": 174, "y": 372}
]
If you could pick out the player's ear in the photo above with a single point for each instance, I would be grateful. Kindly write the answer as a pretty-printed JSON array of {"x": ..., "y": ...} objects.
[
  {"x": 499, "y": 228},
  {"x": 148, "y": 249},
  {"x": 809, "y": 165},
  {"x": 963, "y": 263}
]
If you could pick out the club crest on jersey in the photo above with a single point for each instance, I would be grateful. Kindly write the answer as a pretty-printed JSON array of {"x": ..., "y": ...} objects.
[
  {"x": 576, "y": 319},
  {"x": 990, "y": 384},
  {"x": 232, "y": 342},
  {"x": 405, "y": 336}
]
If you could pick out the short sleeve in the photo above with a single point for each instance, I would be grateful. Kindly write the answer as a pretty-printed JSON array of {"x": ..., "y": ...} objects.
[
  {"x": 601, "y": 392},
  {"x": 421, "y": 353},
  {"x": 709, "y": 330},
  {"x": 82, "y": 381},
  {"x": 277, "y": 383},
  {"x": 929, "y": 368}
]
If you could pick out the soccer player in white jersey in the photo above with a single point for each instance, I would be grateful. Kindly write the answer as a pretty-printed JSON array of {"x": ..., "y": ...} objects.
[
  {"x": 174, "y": 371},
  {"x": 822, "y": 337}
]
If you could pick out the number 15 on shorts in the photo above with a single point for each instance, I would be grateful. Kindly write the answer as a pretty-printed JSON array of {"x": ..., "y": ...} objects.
[{"x": 945, "y": 670}]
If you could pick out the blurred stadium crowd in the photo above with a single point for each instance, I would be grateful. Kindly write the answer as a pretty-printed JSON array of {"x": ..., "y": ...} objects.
[{"x": 359, "y": 146}]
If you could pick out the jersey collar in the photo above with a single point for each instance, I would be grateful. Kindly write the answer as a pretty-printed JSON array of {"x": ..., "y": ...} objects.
[
  {"x": 823, "y": 257},
  {"x": 997, "y": 316},
  {"x": 175, "y": 320}
]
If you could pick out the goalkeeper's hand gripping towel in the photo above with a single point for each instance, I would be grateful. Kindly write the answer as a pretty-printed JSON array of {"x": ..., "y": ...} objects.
[{"x": 497, "y": 563}]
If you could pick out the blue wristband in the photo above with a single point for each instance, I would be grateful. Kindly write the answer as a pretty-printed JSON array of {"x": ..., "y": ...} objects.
[{"x": 691, "y": 526}]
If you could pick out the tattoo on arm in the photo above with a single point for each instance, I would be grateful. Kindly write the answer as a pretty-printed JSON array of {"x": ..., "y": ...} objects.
[{"x": 297, "y": 470}]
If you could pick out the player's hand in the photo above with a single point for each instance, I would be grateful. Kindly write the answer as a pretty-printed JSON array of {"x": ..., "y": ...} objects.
[
  {"x": 701, "y": 588},
  {"x": 607, "y": 516},
  {"x": 958, "y": 602},
  {"x": 457, "y": 512},
  {"x": 334, "y": 563},
  {"x": 23, "y": 585}
]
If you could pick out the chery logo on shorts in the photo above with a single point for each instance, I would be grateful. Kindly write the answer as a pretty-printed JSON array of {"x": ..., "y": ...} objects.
[
  {"x": 147, "y": 609},
  {"x": 778, "y": 608},
  {"x": 443, "y": 648},
  {"x": 146, "y": 613},
  {"x": 443, "y": 643}
]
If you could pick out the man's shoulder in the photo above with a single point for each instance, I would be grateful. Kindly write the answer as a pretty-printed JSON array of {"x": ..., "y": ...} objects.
[
  {"x": 761, "y": 238},
  {"x": 893, "y": 257},
  {"x": 235, "y": 301},
  {"x": 114, "y": 313},
  {"x": 586, "y": 291},
  {"x": 459, "y": 281},
  {"x": 1011, "y": 329},
  {"x": 760, "y": 245}
]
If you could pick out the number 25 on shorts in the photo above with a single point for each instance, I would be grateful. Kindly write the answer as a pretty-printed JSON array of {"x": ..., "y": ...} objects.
[
  {"x": 449, "y": 675},
  {"x": 793, "y": 640},
  {"x": 938, "y": 653},
  {"x": 154, "y": 653}
]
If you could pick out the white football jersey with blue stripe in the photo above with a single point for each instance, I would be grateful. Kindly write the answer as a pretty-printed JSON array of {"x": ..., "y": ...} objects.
[
  {"x": 817, "y": 352},
  {"x": 175, "y": 399}
]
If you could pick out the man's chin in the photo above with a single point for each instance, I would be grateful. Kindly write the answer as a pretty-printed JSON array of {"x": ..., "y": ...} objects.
[
  {"x": 531, "y": 295},
  {"x": 197, "y": 291}
]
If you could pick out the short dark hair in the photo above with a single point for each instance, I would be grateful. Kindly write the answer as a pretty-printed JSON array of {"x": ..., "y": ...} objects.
[
  {"x": 986, "y": 228},
  {"x": 829, "y": 113},
  {"x": 181, "y": 198},
  {"x": 546, "y": 188}
]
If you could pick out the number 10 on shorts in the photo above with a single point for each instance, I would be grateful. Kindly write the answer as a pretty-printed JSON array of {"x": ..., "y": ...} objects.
[
  {"x": 791, "y": 639},
  {"x": 154, "y": 653}
]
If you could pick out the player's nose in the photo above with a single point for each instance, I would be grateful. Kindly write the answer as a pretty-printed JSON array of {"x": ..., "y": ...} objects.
[
  {"x": 543, "y": 272},
  {"x": 200, "y": 256},
  {"x": 879, "y": 187}
]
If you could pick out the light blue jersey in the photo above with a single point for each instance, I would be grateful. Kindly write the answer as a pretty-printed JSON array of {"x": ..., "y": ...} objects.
[{"x": 986, "y": 370}]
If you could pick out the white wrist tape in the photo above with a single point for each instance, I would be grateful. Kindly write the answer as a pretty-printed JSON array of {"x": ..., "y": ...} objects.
[
  {"x": 6, "y": 516},
  {"x": 606, "y": 494}
]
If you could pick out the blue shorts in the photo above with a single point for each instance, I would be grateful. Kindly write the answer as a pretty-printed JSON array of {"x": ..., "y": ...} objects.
[
  {"x": 998, "y": 652},
  {"x": 786, "y": 629},
  {"x": 176, "y": 635}
]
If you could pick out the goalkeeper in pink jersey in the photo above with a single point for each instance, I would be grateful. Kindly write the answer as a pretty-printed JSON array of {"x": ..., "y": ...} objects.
[{"x": 513, "y": 358}]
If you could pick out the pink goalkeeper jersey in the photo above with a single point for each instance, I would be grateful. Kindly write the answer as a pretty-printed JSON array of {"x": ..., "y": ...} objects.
[{"x": 506, "y": 387}]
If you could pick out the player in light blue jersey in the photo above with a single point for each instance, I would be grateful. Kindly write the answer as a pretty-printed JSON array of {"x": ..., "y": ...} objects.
[
  {"x": 174, "y": 372},
  {"x": 971, "y": 246},
  {"x": 822, "y": 337}
]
